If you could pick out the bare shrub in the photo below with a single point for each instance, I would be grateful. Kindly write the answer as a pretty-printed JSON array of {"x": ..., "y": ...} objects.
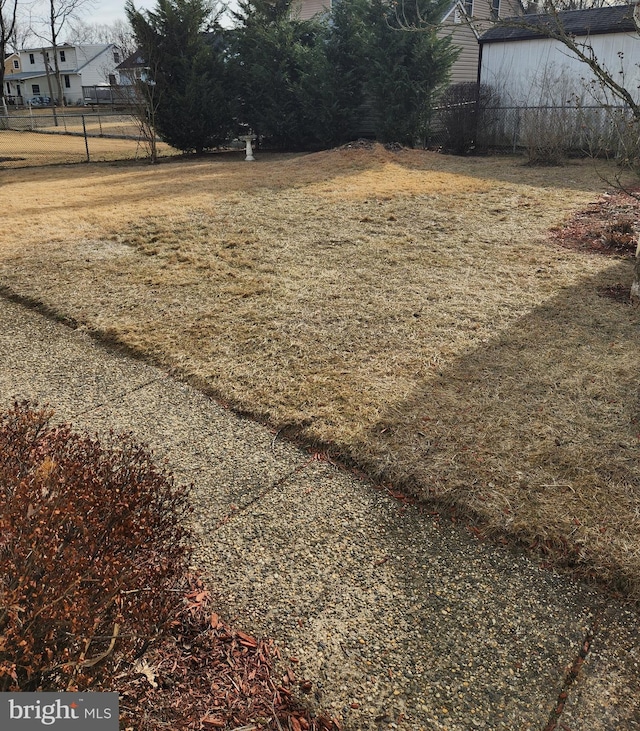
[
  {"x": 621, "y": 236},
  {"x": 91, "y": 541},
  {"x": 610, "y": 132},
  {"x": 546, "y": 135},
  {"x": 464, "y": 114}
]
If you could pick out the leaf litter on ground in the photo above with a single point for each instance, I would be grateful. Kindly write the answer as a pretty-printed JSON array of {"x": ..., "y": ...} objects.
[{"x": 208, "y": 675}]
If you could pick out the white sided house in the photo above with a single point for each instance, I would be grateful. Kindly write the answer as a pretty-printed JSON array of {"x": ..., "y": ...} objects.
[
  {"x": 529, "y": 69},
  {"x": 81, "y": 65}
]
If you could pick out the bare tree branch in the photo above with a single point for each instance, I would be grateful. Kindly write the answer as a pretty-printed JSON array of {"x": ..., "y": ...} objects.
[
  {"x": 8, "y": 16},
  {"x": 554, "y": 26}
]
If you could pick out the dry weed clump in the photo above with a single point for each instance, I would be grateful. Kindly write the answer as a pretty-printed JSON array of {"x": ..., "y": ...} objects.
[{"x": 93, "y": 542}]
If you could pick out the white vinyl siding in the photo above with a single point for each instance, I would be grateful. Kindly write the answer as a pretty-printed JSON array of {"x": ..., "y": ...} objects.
[{"x": 542, "y": 71}]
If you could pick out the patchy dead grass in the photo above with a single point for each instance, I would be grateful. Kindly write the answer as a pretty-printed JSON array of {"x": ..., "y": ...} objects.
[
  {"x": 25, "y": 149},
  {"x": 405, "y": 308}
]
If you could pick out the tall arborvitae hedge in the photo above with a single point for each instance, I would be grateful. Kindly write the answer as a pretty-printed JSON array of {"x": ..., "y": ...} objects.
[
  {"x": 272, "y": 54},
  {"x": 332, "y": 89},
  {"x": 408, "y": 62},
  {"x": 295, "y": 84}
]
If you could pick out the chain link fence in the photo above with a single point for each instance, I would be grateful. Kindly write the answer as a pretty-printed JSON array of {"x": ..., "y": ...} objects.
[
  {"x": 590, "y": 130},
  {"x": 33, "y": 137},
  {"x": 595, "y": 130}
]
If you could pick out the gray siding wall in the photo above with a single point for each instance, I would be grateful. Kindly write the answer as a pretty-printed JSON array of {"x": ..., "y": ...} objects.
[
  {"x": 306, "y": 9},
  {"x": 465, "y": 68}
]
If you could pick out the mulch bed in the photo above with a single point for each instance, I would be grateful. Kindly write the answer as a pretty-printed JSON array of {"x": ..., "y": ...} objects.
[
  {"x": 209, "y": 676},
  {"x": 609, "y": 226}
]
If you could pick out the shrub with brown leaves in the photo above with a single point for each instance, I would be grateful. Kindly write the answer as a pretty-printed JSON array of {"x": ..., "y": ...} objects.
[{"x": 92, "y": 541}]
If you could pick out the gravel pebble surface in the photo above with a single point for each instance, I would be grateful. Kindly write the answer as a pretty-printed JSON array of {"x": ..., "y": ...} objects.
[
  {"x": 412, "y": 622},
  {"x": 399, "y": 620},
  {"x": 606, "y": 694}
]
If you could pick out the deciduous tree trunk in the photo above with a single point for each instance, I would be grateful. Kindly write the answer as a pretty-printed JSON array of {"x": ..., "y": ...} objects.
[{"x": 635, "y": 286}]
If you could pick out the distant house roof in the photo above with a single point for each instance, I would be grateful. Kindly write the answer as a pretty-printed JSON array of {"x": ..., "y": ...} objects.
[
  {"x": 98, "y": 51},
  {"x": 60, "y": 47},
  {"x": 594, "y": 21},
  {"x": 23, "y": 75},
  {"x": 134, "y": 61}
]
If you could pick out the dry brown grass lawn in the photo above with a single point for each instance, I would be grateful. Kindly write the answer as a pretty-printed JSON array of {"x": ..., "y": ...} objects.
[
  {"x": 24, "y": 149},
  {"x": 406, "y": 308}
]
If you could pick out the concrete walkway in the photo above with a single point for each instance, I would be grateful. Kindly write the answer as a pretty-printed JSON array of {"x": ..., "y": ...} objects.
[{"x": 399, "y": 622}]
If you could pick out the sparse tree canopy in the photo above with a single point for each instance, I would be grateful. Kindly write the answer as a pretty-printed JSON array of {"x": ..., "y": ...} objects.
[{"x": 119, "y": 33}]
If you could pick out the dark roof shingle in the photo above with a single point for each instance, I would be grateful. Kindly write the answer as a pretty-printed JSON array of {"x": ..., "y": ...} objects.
[{"x": 594, "y": 21}]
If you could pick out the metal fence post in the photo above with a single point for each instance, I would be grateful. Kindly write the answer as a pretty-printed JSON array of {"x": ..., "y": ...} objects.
[{"x": 86, "y": 141}]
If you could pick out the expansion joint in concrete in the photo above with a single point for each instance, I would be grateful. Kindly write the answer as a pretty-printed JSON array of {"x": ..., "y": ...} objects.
[
  {"x": 316, "y": 457},
  {"x": 572, "y": 674}
]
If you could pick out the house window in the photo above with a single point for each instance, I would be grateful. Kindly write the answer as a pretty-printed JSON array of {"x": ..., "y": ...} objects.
[
  {"x": 116, "y": 57},
  {"x": 32, "y": 58},
  {"x": 495, "y": 8},
  {"x": 35, "y": 89},
  {"x": 67, "y": 82},
  {"x": 468, "y": 7},
  {"x": 16, "y": 64},
  {"x": 62, "y": 56}
]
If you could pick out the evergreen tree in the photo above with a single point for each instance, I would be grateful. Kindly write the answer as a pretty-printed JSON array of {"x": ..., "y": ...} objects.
[
  {"x": 271, "y": 54},
  {"x": 405, "y": 68},
  {"x": 332, "y": 87},
  {"x": 188, "y": 85}
]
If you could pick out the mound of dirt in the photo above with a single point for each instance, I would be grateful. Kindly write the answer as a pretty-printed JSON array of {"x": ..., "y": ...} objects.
[
  {"x": 358, "y": 153},
  {"x": 364, "y": 144}
]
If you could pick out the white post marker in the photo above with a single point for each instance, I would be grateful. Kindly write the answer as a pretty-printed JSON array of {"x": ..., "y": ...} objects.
[{"x": 248, "y": 139}]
